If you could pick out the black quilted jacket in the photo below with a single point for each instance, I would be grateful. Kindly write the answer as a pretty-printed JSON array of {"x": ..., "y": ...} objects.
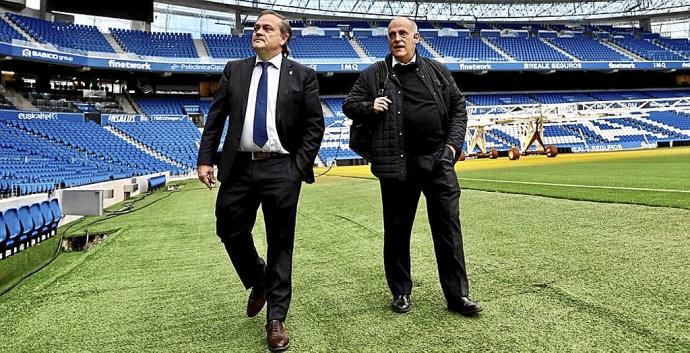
[{"x": 387, "y": 149}]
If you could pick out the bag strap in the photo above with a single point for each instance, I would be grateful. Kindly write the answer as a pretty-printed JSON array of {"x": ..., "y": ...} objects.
[{"x": 382, "y": 71}]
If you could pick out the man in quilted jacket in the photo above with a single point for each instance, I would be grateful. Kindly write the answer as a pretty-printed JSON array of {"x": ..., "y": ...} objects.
[{"x": 415, "y": 120}]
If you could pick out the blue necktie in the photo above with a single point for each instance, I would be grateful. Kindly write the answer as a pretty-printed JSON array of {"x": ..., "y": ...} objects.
[{"x": 260, "y": 133}]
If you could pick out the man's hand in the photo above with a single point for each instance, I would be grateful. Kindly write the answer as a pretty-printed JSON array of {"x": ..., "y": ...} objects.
[
  {"x": 205, "y": 173},
  {"x": 381, "y": 104}
]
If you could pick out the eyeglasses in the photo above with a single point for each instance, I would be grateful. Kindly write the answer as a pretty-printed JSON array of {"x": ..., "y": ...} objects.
[{"x": 394, "y": 35}]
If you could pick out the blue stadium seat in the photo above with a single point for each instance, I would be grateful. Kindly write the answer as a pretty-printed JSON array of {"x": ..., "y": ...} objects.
[
  {"x": 50, "y": 222},
  {"x": 156, "y": 182},
  {"x": 39, "y": 223},
  {"x": 29, "y": 232},
  {"x": 14, "y": 230},
  {"x": 57, "y": 213},
  {"x": 68, "y": 35},
  {"x": 5, "y": 242}
]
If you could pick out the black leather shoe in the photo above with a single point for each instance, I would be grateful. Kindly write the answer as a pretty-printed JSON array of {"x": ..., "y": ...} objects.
[
  {"x": 401, "y": 303},
  {"x": 465, "y": 306}
]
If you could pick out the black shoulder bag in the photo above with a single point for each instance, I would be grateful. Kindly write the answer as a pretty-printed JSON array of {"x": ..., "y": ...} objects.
[{"x": 361, "y": 132}]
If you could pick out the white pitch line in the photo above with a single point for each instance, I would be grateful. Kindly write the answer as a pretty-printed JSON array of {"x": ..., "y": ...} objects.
[{"x": 578, "y": 186}]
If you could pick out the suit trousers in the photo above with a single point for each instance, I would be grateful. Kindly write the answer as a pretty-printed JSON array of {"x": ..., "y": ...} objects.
[
  {"x": 275, "y": 185},
  {"x": 400, "y": 198}
]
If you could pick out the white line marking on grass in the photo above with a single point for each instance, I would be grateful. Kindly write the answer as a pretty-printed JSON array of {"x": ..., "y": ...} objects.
[{"x": 578, "y": 186}]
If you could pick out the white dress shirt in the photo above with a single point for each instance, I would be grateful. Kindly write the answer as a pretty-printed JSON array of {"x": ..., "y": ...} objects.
[
  {"x": 247, "y": 139},
  {"x": 395, "y": 61}
]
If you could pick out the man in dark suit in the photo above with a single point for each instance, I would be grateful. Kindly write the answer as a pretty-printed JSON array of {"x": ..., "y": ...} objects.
[
  {"x": 275, "y": 130},
  {"x": 417, "y": 119}
]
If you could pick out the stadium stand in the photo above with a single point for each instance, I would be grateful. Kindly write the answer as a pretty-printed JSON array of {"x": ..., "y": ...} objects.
[
  {"x": 335, "y": 145},
  {"x": 321, "y": 47},
  {"x": 7, "y": 32},
  {"x": 176, "y": 140},
  {"x": 335, "y": 105},
  {"x": 60, "y": 34},
  {"x": 619, "y": 95},
  {"x": 566, "y": 97},
  {"x": 588, "y": 49},
  {"x": 668, "y": 94},
  {"x": 465, "y": 48},
  {"x": 171, "y": 105},
  {"x": 227, "y": 46},
  {"x": 499, "y": 99},
  {"x": 96, "y": 141},
  {"x": 679, "y": 121},
  {"x": 645, "y": 48},
  {"x": 178, "y": 45},
  {"x": 32, "y": 164},
  {"x": 40, "y": 156},
  {"x": 528, "y": 49},
  {"x": 680, "y": 46}
]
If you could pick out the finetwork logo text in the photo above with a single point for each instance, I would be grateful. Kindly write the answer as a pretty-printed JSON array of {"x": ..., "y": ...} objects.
[{"x": 129, "y": 65}]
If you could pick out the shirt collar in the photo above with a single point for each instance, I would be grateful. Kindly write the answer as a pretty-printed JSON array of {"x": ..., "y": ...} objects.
[
  {"x": 395, "y": 61},
  {"x": 276, "y": 60}
]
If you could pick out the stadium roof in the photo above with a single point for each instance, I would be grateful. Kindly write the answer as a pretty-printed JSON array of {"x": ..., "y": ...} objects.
[{"x": 476, "y": 10}]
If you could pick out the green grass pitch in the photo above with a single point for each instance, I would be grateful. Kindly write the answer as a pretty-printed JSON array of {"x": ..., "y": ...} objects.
[{"x": 553, "y": 273}]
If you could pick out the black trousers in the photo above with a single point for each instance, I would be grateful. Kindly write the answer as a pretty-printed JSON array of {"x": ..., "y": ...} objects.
[
  {"x": 275, "y": 185},
  {"x": 400, "y": 198}
]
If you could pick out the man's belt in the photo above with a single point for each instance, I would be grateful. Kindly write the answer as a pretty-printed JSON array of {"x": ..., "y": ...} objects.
[{"x": 258, "y": 156}]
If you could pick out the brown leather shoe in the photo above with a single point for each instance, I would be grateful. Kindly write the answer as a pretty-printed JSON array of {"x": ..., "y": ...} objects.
[
  {"x": 256, "y": 302},
  {"x": 276, "y": 336}
]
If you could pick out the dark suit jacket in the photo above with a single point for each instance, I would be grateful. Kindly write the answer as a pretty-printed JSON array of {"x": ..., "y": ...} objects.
[{"x": 299, "y": 118}]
